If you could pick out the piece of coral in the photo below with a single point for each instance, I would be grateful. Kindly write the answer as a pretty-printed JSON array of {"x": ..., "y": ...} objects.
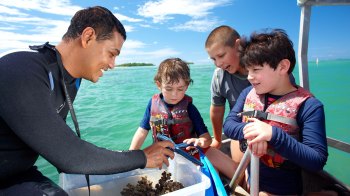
[{"x": 144, "y": 186}]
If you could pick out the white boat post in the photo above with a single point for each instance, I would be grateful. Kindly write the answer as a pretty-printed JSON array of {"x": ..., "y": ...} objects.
[
  {"x": 238, "y": 175},
  {"x": 305, "y": 14},
  {"x": 254, "y": 172}
]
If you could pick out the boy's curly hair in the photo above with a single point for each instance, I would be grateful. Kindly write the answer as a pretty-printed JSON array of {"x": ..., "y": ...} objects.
[
  {"x": 267, "y": 47},
  {"x": 171, "y": 70}
]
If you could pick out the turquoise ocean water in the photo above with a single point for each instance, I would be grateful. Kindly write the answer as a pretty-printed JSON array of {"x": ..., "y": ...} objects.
[{"x": 109, "y": 112}]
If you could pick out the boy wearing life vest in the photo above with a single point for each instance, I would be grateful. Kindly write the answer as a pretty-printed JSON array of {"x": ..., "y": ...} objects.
[
  {"x": 283, "y": 123},
  {"x": 172, "y": 113}
]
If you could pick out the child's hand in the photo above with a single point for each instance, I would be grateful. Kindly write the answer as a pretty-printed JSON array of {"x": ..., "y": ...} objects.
[
  {"x": 257, "y": 131},
  {"x": 202, "y": 141},
  {"x": 195, "y": 142},
  {"x": 259, "y": 148}
]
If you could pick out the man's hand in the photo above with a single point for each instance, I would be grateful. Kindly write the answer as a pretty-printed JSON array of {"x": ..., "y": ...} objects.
[{"x": 158, "y": 153}]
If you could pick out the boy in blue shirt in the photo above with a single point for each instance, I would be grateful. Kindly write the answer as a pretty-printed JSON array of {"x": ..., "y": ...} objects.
[{"x": 172, "y": 113}]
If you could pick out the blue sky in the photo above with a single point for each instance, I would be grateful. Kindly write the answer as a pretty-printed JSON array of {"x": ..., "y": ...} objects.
[{"x": 159, "y": 29}]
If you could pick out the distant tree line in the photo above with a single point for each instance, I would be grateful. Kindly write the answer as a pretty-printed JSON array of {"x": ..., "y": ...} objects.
[{"x": 134, "y": 64}]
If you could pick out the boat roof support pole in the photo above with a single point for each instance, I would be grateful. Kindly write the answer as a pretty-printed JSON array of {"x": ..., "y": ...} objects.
[
  {"x": 303, "y": 46},
  {"x": 254, "y": 175},
  {"x": 239, "y": 173}
]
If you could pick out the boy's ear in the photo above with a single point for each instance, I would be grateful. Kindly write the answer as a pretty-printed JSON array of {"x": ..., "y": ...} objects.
[
  {"x": 237, "y": 42},
  {"x": 284, "y": 65},
  {"x": 159, "y": 85},
  {"x": 87, "y": 36}
]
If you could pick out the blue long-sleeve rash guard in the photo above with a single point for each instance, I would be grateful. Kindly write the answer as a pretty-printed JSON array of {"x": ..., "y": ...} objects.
[
  {"x": 310, "y": 153},
  {"x": 32, "y": 121}
]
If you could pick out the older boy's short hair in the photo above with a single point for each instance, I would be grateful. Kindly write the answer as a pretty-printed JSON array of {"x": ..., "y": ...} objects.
[
  {"x": 267, "y": 47},
  {"x": 224, "y": 35},
  {"x": 99, "y": 18}
]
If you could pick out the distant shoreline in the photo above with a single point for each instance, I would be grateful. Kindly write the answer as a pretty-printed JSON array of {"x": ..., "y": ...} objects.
[{"x": 134, "y": 64}]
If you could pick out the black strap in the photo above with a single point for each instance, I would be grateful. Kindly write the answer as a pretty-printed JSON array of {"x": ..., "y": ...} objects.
[
  {"x": 68, "y": 99},
  {"x": 261, "y": 115},
  {"x": 70, "y": 105},
  {"x": 163, "y": 121}
]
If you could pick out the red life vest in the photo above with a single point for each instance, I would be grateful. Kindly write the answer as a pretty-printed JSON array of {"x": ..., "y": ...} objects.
[
  {"x": 281, "y": 113},
  {"x": 174, "y": 122}
]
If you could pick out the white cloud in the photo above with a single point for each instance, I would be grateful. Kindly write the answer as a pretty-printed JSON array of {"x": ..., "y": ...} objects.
[
  {"x": 49, "y": 30},
  {"x": 8, "y": 28},
  {"x": 196, "y": 25},
  {"x": 128, "y": 28},
  {"x": 155, "y": 56},
  {"x": 122, "y": 17},
  {"x": 145, "y": 25},
  {"x": 10, "y": 11},
  {"x": 162, "y": 10},
  {"x": 13, "y": 42},
  {"x": 21, "y": 21},
  {"x": 58, "y": 7},
  {"x": 162, "y": 53},
  {"x": 133, "y": 44},
  {"x": 138, "y": 51},
  {"x": 20, "y": 28}
]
